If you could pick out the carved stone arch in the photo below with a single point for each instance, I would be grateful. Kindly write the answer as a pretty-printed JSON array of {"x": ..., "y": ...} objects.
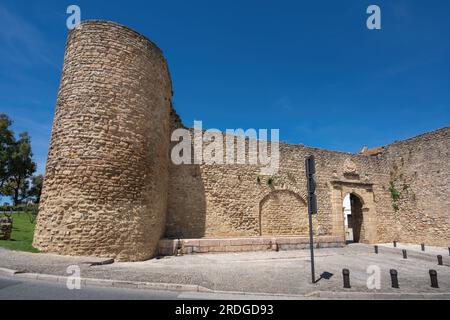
[
  {"x": 364, "y": 193},
  {"x": 356, "y": 194},
  {"x": 283, "y": 212},
  {"x": 266, "y": 197},
  {"x": 356, "y": 223}
]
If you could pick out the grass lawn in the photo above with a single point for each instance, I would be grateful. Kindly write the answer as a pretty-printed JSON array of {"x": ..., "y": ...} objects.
[{"x": 22, "y": 234}]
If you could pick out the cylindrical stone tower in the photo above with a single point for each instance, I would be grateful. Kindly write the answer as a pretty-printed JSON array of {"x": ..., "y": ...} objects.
[{"x": 105, "y": 188}]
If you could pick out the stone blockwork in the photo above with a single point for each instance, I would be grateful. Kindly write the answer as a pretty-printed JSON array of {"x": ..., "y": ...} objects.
[
  {"x": 234, "y": 202},
  {"x": 283, "y": 212},
  {"x": 111, "y": 190},
  {"x": 105, "y": 190},
  {"x": 420, "y": 172},
  {"x": 237, "y": 201},
  {"x": 5, "y": 228},
  {"x": 169, "y": 247}
]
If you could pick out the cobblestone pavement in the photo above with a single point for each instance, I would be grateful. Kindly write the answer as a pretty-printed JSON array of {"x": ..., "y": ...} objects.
[{"x": 283, "y": 272}]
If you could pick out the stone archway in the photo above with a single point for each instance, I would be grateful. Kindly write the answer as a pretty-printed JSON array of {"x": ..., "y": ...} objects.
[
  {"x": 355, "y": 219},
  {"x": 364, "y": 210},
  {"x": 283, "y": 212}
]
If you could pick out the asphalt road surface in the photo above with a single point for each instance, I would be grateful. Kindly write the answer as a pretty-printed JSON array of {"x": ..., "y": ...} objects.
[
  {"x": 20, "y": 289},
  {"x": 285, "y": 273},
  {"x": 25, "y": 289}
]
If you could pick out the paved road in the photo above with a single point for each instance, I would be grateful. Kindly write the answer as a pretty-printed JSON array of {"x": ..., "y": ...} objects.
[
  {"x": 23, "y": 289},
  {"x": 283, "y": 272},
  {"x": 12, "y": 288}
]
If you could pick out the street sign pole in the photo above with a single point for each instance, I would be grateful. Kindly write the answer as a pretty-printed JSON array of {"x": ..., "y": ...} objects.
[
  {"x": 312, "y": 207},
  {"x": 311, "y": 247}
]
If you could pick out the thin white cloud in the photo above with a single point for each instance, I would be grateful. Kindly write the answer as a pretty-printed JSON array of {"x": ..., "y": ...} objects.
[
  {"x": 284, "y": 104},
  {"x": 27, "y": 122},
  {"x": 21, "y": 42}
]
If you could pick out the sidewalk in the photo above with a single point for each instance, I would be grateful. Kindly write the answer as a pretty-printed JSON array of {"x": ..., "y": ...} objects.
[
  {"x": 274, "y": 273},
  {"x": 431, "y": 250}
]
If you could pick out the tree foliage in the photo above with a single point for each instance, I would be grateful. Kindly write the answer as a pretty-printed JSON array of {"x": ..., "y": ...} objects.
[
  {"x": 16, "y": 165},
  {"x": 36, "y": 188},
  {"x": 6, "y": 140}
]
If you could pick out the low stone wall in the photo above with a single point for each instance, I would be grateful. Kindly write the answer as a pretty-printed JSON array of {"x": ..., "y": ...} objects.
[
  {"x": 169, "y": 247},
  {"x": 5, "y": 228}
]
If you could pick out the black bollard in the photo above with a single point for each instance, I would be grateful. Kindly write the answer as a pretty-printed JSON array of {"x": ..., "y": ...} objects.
[
  {"x": 439, "y": 260},
  {"x": 423, "y": 246},
  {"x": 395, "y": 244},
  {"x": 394, "y": 278},
  {"x": 449, "y": 251},
  {"x": 405, "y": 255},
  {"x": 434, "y": 279},
  {"x": 376, "y": 249},
  {"x": 346, "y": 275}
]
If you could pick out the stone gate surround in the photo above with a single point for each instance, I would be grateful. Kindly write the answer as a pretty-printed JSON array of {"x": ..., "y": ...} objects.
[
  {"x": 110, "y": 189},
  {"x": 365, "y": 193}
]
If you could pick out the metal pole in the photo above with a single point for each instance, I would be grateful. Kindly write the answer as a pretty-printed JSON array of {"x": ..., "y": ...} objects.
[
  {"x": 311, "y": 247},
  {"x": 434, "y": 280},
  {"x": 405, "y": 256},
  {"x": 312, "y": 207},
  {"x": 394, "y": 278},
  {"x": 346, "y": 278}
]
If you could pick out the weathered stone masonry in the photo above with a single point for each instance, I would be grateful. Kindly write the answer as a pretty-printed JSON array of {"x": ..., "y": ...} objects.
[
  {"x": 106, "y": 178},
  {"x": 5, "y": 228},
  {"x": 111, "y": 190}
]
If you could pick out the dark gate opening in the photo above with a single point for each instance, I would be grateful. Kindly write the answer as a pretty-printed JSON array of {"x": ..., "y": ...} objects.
[{"x": 355, "y": 220}]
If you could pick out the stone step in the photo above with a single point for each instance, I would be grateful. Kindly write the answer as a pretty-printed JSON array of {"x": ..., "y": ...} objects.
[{"x": 168, "y": 247}]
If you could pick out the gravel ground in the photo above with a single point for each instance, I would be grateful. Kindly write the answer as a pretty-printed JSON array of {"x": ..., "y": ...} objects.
[{"x": 284, "y": 272}]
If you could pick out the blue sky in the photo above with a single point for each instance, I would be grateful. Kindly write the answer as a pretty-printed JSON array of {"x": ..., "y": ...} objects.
[{"x": 310, "y": 68}]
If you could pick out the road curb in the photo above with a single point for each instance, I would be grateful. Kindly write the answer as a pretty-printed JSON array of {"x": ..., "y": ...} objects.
[
  {"x": 107, "y": 282},
  {"x": 7, "y": 271},
  {"x": 378, "y": 295},
  {"x": 196, "y": 288},
  {"x": 137, "y": 284}
]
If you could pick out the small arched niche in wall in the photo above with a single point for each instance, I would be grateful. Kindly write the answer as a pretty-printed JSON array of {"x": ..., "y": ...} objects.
[{"x": 283, "y": 212}]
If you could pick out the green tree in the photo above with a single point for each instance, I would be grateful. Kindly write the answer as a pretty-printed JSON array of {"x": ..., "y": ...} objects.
[
  {"x": 6, "y": 141},
  {"x": 21, "y": 168},
  {"x": 36, "y": 188}
]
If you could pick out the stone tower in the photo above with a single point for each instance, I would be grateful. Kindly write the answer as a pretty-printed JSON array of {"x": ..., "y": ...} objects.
[{"x": 105, "y": 190}]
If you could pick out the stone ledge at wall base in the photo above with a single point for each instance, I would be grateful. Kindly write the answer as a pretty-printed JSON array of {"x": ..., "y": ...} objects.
[
  {"x": 5, "y": 228},
  {"x": 170, "y": 247}
]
